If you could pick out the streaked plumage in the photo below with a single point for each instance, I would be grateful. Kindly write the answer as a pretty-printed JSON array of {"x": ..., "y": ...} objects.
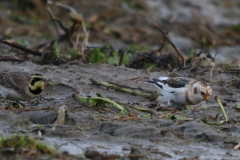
[
  {"x": 183, "y": 90},
  {"x": 21, "y": 86}
]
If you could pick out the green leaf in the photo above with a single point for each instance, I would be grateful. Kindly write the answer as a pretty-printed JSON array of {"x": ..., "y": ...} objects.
[
  {"x": 55, "y": 47},
  {"x": 236, "y": 28},
  {"x": 226, "y": 66},
  {"x": 83, "y": 99},
  {"x": 99, "y": 95},
  {"x": 96, "y": 56},
  {"x": 238, "y": 106},
  {"x": 74, "y": 53},
  {"x": 114, "y": 59},
  {"x": 70, "y": 81},
  {"x": 147, "y": 115},
  {"x": 92, "y": 102}
]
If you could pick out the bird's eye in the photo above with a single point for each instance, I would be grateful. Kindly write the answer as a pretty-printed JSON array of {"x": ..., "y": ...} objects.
[{"x": 202, "y": 93}]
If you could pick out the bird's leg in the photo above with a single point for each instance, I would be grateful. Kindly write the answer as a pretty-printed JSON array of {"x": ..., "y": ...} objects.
[
  {"x": 198, "y": 106},
  {"x": 169, "y": 102},
  {"x": 191, "y": 111}
]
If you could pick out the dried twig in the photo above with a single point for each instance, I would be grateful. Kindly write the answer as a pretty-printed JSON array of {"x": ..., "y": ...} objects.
[
  {"x": 84, "y": 45},
  {"x": 52, "y": 18},
  {"x": 129, "y": 79},
  {"x": 109, "y": 110},
  {"x": 62, "y": 6},
  {"x": 175, "y": 48},
  {"x": 121, "y": 52},
  {"x": 21, "y": 47},
  {"x": 131, "y": 118},
  {"x": 77, "y": 22},
  {"x": 215, "y": 56},
  {"x": 13, "y": 60}
]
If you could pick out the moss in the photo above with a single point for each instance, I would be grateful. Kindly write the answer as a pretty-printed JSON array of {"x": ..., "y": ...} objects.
[
  {"x": 236, "y": 28},
  {"x": 19, "y": 141},
  {"x": 226, "y": 67}
]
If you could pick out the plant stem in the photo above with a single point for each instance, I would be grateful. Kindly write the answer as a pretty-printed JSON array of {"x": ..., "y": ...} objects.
[
  {"x": 222, "y": 108},
  {"x": 122, "y": 89},
  {"x": 105, "y": 100}
]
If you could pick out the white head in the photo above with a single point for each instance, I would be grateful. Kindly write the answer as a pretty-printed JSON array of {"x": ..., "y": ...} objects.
[{"x": 201, "y": 90}]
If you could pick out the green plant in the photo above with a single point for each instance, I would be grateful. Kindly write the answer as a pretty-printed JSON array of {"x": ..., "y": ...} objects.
[
  {"x": 96, "y": 56},
  {"x": 19, "y": 141},
  {"x": 94, "y": 100},
  {"x": 226, "y": 66},
  {"x": 236, "y": 28},
  {"x": 116, "y": 58},
  {"x": 55, "y": 47},
  {"x": 74, "y": 54}
]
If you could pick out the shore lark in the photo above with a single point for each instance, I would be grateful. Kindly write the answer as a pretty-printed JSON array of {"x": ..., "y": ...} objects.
[
  {"x": 21, "y": 86},
  {"x": 181, "y": 90}
]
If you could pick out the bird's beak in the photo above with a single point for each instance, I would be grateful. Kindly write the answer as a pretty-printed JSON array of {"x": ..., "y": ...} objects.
[{"x": 206, "y": 98}]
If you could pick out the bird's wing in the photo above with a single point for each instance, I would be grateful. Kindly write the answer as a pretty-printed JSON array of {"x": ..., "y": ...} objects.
[
  {"x": 14, "y": 80},
  {"x": 171, "y": 84}
]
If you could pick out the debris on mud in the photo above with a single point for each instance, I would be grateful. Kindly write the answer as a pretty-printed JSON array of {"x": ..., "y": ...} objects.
[{"x": 107, "y": 48}]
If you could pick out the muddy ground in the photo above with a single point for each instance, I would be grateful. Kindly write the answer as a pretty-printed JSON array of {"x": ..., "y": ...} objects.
[
  {"x": 100, "y": 132},
  {"x": 93, "y": 128}
]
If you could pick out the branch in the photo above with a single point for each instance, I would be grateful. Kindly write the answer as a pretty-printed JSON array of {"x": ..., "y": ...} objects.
[
  {"x": 175, "y": 48},
  {"x": 62, "y": 6},
  {"x": 21, "y": 47}
]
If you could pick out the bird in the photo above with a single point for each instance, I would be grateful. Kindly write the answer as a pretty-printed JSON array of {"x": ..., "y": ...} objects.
[
  {"x": 182, "y": 90},
  {"x": 21, "y": 86}
]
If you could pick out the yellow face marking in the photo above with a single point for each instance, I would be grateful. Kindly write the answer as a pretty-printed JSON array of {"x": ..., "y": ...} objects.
[
  {"x": 39, "y": 84},
  {"x": 36, "y": 76}
]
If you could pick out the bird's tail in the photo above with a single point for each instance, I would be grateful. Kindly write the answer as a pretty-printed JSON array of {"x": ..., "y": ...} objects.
[
  {"x": 154, "y": 80},
  {"x": 146, "y": 81}
]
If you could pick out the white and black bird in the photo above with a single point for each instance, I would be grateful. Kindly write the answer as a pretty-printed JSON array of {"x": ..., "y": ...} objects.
[
  {"x": 21, "y": 86},
  {"x": 181, "y": 90}
]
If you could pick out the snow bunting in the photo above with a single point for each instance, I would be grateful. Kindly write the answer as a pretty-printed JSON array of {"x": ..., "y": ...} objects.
[{"x": 181, "y": 90}]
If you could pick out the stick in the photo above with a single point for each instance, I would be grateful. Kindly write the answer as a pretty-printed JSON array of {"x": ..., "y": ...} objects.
[
  {"x": 131, "y": 118},
  {"x": 130, "y": 79},
  {"x": 121, "y": 56},
  {"x": 13, "y": 60},
  {"x": 21, "y": 47},
  {"x": 62, "y": 6},
  {"x": 84, "y": 45},
  {"x": 51, "y": 16},
  {"x": 123, "y": 89},
  {"x": 175, "y": 48}
]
